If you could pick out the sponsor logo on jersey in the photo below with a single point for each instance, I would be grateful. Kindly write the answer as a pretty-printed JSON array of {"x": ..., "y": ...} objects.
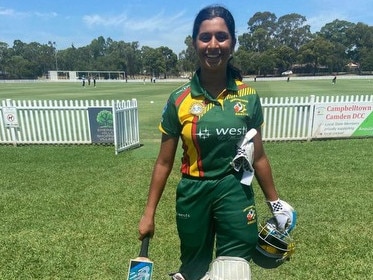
[{"x": 221, "y": 133}]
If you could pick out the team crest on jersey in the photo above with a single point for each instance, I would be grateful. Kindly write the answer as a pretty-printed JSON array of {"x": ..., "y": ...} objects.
[
  {"x": 239, "y": 107},
  {"x": 197, "y": 108},
  {"x": 251, "y": 214}
]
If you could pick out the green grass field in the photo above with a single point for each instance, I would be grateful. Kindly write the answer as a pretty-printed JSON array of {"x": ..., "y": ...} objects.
[
  {"x": 71, "y": 212},
  {"x": 120, "y": 90}
]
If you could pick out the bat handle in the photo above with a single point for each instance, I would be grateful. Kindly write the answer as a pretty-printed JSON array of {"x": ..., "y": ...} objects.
[{"x": 144, "y": 247}]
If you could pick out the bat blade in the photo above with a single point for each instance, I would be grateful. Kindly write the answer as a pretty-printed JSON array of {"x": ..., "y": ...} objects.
[
  {"x": 141, "y": 268},
  {"x": 248, "y": 136}
]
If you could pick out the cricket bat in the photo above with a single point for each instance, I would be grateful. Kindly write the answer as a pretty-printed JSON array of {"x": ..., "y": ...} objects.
[
  {"x": 141, "y": 268},
  {"x": 248, "y": 136}
]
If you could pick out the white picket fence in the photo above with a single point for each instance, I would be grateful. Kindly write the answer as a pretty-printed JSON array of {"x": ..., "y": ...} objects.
[
  {"x": 67, "y": 122},
  {"x": 287, "y": 118},
  {"x": 126, "y": 125},
  {"x": 291, "y": 118}
]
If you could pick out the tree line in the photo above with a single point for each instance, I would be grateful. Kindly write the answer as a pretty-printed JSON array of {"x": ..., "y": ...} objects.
[{"x": 271, "y": 46}]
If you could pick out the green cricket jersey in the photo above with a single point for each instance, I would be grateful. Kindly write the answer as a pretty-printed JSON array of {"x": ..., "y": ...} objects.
[{"x": 210, "y": 128}]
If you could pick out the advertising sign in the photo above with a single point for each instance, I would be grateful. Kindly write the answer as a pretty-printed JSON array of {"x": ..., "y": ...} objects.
[
  {"x": 10, "y": 117},
  {"x": 343, "y": 120},
  {"x": 101, "y": 125}
]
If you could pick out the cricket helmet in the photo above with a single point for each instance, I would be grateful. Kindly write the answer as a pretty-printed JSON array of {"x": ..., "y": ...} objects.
[{"x": 273, "y": 243}]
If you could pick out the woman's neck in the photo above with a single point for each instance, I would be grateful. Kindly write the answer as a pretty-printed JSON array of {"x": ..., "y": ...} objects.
[{"x": 213, "y": 82}]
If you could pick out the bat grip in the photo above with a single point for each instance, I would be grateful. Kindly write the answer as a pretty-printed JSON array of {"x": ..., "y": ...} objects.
[{"x": 144, "y": 247}]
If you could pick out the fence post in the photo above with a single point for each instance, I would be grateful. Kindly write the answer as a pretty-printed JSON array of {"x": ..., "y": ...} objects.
[
  {"x": 311, "y": 117},
  {"x": 114, "y": 110}
]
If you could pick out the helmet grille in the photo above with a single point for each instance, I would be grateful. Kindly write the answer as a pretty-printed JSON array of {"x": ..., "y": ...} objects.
[{"x": 273, "y": 243}]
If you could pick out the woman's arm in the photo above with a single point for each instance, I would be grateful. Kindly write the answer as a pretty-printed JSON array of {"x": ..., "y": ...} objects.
[
  {"x": 161, "y": 171},
  {"x": 263, "y": 171}
]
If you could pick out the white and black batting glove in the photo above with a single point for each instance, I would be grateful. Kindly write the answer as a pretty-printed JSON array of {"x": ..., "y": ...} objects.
[
  {"x": 177, "y": 276},
  {"x": 285, "y": 216},
  {"x": 244, "y": 158}
]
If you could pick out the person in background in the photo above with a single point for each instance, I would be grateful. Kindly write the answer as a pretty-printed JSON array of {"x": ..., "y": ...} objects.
[{"x": 211, "y": 114}]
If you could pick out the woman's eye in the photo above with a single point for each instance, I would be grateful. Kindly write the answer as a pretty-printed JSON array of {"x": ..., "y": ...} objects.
[
  {"x": 221, "y": 36},
  {"x": 205, "y": 37}
]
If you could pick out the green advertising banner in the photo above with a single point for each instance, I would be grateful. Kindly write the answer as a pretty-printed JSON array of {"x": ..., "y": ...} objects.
[
  {"x": 365, "y": 128},
  {"x": 343, "y": 120}
]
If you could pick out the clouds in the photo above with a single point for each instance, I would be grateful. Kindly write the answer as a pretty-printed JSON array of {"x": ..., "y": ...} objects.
[
  {"x": 152, "y": 23},
  {"x": 318, "y": 21},
  {"x": 6, "y": 12},
  {"x": 326, "y": 11},
  {"x": 48, "y": 15},
  {"x": 97, "y": 20},
  {"x": 159, "y": 29},
  {"x": 11, "y": 13},
  {"x": 160, "y": 21}
]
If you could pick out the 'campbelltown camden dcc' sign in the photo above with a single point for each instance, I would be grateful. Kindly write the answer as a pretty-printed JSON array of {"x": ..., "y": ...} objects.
[{"x": 343, "y": 120}]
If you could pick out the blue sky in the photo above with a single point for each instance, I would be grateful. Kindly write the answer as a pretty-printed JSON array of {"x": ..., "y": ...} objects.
[{"x": 152, "y": 23}]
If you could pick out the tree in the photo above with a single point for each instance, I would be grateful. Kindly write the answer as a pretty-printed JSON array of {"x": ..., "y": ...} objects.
[
  {"x": 243, "y": 60},
  {"x": 271, "y": 45},
  {"x": 169, "y": 59},
  {"x": 19, "y": 68},
  {"x": 284, "y": 57},
  {"x": 336, "y": 32},
  {"x": 188, "y": 60},
  {"x": 68, "y": 58},
  {"x": 4, "y": 57},
  {"x": 264, "y": 63},
  {"x": 98, "y": 47},
  {"x": 366, "y": 55},
  {"x": 114, "y": 58},
  {"x": 132, "y": 57},
  {"x": 84, "y": 62},
  {"x": 274, "y": 39},
  {"x": 261, "y": 28},
  {"x": 316, "y": 53},
  {"x": 361, "y": 42},
  {"x": 262, "y": 20},
  {"x": 291, "y": 31},
  {"x": 152, "y": 61}
]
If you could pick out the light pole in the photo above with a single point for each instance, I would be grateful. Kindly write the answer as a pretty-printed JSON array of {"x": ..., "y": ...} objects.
[{"x": 55, "y": 54}]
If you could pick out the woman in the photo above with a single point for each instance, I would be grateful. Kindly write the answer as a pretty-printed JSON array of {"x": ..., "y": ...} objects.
[{"x": 211, "y": 114}]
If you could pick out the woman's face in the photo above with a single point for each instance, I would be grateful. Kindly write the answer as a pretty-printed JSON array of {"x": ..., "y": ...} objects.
[{"x": 214, "y": 44}]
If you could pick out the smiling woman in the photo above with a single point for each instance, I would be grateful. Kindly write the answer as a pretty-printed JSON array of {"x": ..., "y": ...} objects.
[
  {"x": 215, "y": 207},
  {"x": 214, "y": 41},
  {"x": 214, "y": 46}
]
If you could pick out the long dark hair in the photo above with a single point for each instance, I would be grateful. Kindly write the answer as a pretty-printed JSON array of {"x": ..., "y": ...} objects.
[{"x": 214, "y": 11}]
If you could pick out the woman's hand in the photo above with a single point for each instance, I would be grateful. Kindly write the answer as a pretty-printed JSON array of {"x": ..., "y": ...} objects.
[{"x": 146, "y": 227}]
